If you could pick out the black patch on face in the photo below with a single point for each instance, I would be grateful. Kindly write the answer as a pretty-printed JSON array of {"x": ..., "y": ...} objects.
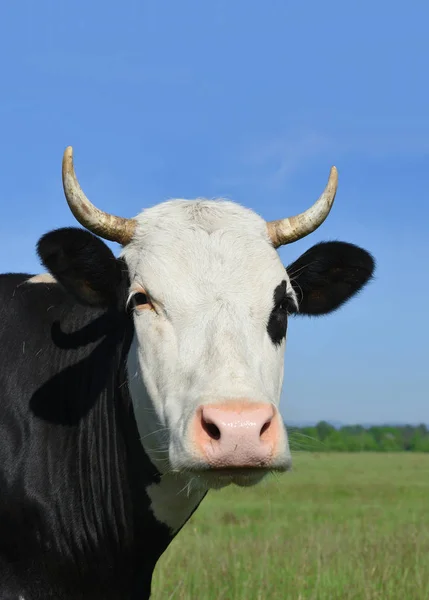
[{"x": 277, "y": 323}]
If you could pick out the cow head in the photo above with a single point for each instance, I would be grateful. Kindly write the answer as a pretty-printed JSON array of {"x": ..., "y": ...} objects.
[{"x": 210, "y": 301}]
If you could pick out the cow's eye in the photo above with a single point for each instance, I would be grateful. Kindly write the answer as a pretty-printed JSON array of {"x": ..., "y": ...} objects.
[
  {"x": 140, "y": 300},
  {"x": 286, "y": 304}
]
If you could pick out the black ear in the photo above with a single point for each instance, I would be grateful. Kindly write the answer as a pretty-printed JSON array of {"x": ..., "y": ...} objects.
[
  {"x": 329, "y": 274},
  {"x": 83, "y": 264}
]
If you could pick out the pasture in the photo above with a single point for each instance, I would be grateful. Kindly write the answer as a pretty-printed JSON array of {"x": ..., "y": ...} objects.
[{"x": 340, "y": 526}]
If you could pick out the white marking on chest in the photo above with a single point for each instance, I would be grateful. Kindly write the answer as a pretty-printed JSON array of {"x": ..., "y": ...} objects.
[{"x": 173, "y": 500}]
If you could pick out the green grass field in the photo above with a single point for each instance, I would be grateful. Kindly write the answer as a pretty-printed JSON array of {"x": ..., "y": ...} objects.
[{"x": 340, "y": 526}]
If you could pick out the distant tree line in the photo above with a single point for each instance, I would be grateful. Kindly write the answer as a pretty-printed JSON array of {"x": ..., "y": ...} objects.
[{"x": 356, "y": 438}]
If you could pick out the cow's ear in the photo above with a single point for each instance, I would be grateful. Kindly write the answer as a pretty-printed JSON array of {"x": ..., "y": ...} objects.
[
  {"x": 328, "y": 275},
  {"x": 81, "y": 263}
]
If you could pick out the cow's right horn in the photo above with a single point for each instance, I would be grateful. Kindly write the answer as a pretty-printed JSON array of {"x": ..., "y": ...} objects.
[{"x": 109, "y": 227}]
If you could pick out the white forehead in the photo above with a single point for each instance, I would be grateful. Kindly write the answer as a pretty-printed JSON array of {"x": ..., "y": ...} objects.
[{"x": 202, "y": 244}]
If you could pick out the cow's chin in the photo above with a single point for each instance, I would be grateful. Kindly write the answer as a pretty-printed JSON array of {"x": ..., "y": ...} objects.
[{"x": 219, "y": 478}]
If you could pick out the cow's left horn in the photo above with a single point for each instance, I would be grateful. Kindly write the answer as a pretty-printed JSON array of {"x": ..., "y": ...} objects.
[
  {"x": 291, "y": 229},
  {"x": 109, "y": 227}
]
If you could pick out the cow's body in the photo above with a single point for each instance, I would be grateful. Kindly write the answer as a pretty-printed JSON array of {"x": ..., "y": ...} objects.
[
  {"x": 129, "y": 387},
  {"x": 74, "y": 513},
  {"x": 76, "y": 516}
]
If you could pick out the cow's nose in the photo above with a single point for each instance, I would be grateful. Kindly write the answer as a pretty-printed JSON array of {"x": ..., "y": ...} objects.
[{"x": 239, "y": 434}]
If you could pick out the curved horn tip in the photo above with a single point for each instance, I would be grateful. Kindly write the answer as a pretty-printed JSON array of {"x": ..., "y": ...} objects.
[
  {"x": 68, "y": 152},
  {"x": 331, "y": 187},
  {"x": 68, "y": 159},
  {"x": 333, "y": 174}
]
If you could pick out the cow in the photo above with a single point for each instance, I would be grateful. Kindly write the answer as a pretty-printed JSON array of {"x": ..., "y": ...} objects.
[{"x": 132, "y": 385}]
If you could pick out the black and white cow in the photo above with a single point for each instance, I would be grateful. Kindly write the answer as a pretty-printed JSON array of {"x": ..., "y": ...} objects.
[{"x": 131, "y": 386}]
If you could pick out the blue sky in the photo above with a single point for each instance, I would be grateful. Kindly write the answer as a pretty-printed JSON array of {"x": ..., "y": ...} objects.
[{"x": 254, "y": 101}]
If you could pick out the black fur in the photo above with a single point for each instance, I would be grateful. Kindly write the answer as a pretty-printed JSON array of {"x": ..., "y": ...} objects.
[
  {"x": 329, "y": 274},
  {"x": 277, "y": 323},
  {"x": 75, "y": 522},
  {"x": 83, "y": 264}
]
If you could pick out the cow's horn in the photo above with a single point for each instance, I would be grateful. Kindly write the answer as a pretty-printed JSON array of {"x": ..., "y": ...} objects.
[
  {"x": 109, "y": 227},
  {"x": 291, "y": 229}
]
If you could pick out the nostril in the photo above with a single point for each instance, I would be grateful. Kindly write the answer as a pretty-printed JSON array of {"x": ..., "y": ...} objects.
[
  {"x": 211, "y": 429},
  {"x": 265, "y": 427}
]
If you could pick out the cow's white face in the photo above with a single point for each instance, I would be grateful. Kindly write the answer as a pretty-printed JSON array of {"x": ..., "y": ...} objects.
[{"x": 205, "y": 368}]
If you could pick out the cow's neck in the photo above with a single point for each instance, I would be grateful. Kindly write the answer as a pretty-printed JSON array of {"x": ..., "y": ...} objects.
[
  {"x": 173, "y": 500},
  {"x": 173, "y": 497}
]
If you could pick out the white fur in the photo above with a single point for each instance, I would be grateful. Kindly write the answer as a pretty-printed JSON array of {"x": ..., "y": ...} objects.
[
  {"x": 211, "y": 271},
  {"x": 42, "y": 278},
  {"x": 174, "y": 499}
]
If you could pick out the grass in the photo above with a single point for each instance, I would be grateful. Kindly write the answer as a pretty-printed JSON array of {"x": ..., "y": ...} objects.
[{"x": 340, "y": 526}]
